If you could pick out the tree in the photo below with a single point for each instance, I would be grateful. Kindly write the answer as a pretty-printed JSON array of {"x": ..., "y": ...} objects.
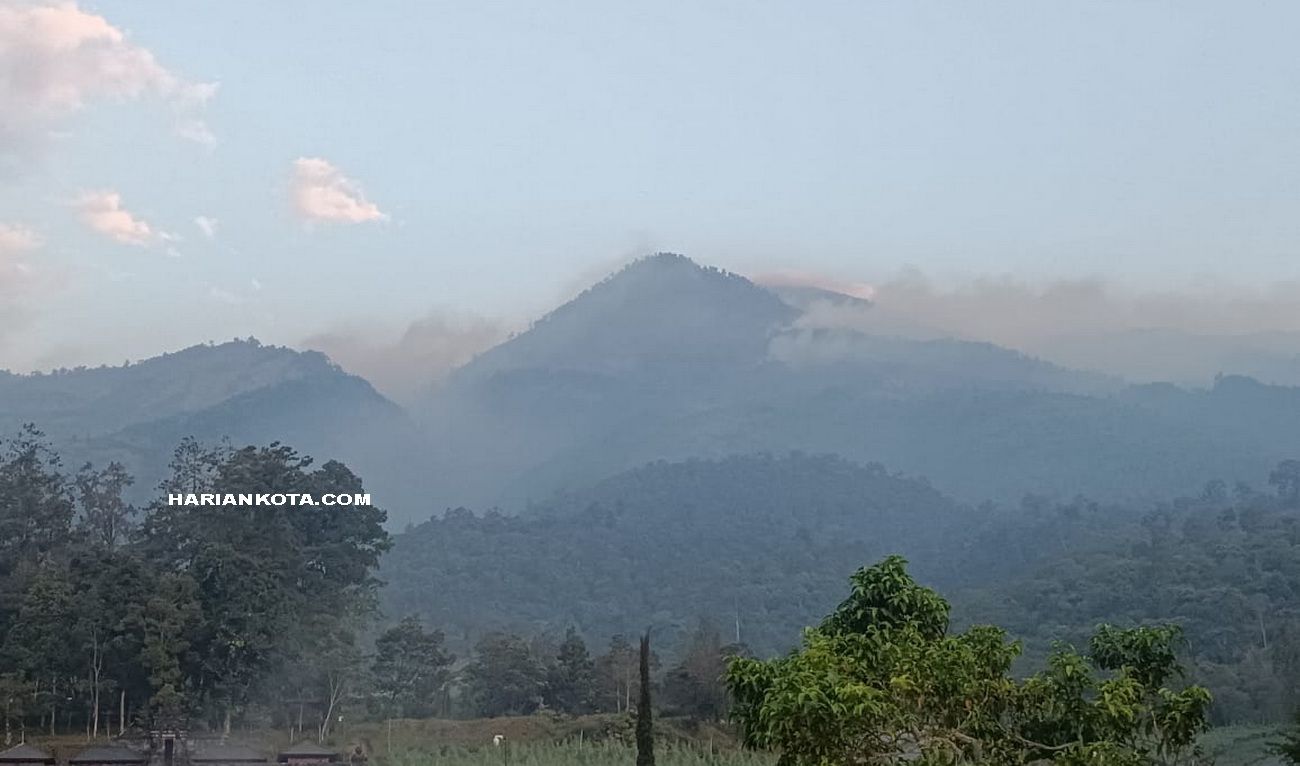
[
  {"x": 616, "y": 673},
  {"x": 882, "y": 680},
  {"x": 409, "y": 668},
  {"x": 571, "y": 681},
  {"x": 696, "y": 686},
  {"x": 105, "y": 518},
  {"x": 36, "y": 511},
  {"x": 1289, "y": 747},
  {"x": 264, "y": 572},
  {"x": 1285, "y": 478},
  {"x": 645, "y": 735},
  {"x": 505, "y": 678}
]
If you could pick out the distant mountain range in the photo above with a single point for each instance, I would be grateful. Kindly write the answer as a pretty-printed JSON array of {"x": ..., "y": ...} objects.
[
  {"x": 242, "y": 391},
  {"x": 668, "y": 360}
]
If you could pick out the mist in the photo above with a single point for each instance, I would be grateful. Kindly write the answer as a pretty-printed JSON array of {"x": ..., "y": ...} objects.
[
  {"x": 1185, "y": 336},
  {"x": 407, "y": 363}
]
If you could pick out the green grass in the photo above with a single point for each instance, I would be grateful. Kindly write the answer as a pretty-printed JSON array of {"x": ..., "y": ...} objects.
[{"x": 567, "y": 753}]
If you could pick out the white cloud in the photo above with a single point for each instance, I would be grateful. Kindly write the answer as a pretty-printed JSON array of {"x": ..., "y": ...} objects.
[
  {"x": 207, "y": 225},
  {"x": 55, "y": 59},
  {"x": 16, "y": 239},
  {"x": 102, "y": 211},
  {"x": 322, "y": 193}
]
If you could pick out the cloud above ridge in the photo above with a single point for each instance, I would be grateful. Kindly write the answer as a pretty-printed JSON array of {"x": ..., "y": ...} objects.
[{"x": 322, "y": 193}]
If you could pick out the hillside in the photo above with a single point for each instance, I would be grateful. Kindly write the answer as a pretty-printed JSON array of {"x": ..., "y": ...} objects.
[
  {"x": 668, "y": 360},
  {"x": 240, "y": 390},
  {"x": 758, "y": 539}
]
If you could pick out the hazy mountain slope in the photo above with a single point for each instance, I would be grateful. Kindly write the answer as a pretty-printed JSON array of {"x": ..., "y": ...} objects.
[
  {"x": 766, "y": 537},
  {"x": 241, "y": 391},
  {"x": 668, "y": 360}
]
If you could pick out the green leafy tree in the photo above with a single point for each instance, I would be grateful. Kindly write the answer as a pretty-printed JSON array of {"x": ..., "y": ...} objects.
[
  {"x": 409, "y": 668},
  {"x": 882, "y": 680},
  {"x": 571, "y": 680},
  {"x": 104, "y": 516},
  {"x": 505, "y": 677}
]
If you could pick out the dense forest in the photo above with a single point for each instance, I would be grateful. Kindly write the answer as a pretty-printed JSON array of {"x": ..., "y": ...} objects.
[
  {"x": 113, "y": 615},
  {"x": 759, "y": 544}
]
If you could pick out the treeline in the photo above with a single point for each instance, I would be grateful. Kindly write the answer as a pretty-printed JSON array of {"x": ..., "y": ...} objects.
[
  {"x": 1224, "y": 565},
  {"x": 413, "y": 676},
  {"x": 112, "y": 615},
  {"x": 764, "y": 541},
  {"x": 212, "y": 617}
]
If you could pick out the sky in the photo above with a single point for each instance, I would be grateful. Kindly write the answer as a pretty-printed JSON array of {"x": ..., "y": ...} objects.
[{"x": 173, "y": 173}]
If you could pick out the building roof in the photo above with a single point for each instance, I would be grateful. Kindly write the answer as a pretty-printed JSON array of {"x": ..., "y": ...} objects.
[
  {"x": 25, "y": 753},
  {"x": 217, "y": 752},
  {"x": 308, "y": 750},
  {"x": 109, "y": 754}
]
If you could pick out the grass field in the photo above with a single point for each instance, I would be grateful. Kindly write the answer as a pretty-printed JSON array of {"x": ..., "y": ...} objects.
[
  {"x": 565, "y": 753},
  {"x": 602, "y": 740}
]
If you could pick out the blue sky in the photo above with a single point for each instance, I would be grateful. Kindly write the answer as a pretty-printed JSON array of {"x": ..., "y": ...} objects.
[{"x": 486, "y": 158}]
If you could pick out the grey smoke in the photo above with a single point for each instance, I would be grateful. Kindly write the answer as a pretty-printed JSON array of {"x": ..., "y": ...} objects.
[
  {"x": 1181, "y": 335},
  {"x": 405, "y": 365}
]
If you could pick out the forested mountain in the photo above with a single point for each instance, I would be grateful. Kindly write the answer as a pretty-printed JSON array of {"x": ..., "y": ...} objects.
[
  {"x": 759, "y": 540},
  {"x": 762, "y": 540},
  {"x": 1224, "y": 565},
  {"x": 670, "y": 360},
  {"x": 241, "y": 390}
]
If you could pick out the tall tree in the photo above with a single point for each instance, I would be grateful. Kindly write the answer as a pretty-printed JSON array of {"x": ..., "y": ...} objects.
[
  {"x": 616, "y": 672},
  {"x": 105, "y": 517},
  {"x": 696, "y": 686},
  {"x": 645, "y": 735},
  {"x": 571, "y": 682},
  {"x": 505, "y": 677},
  {"x": 409, "y": 669}
]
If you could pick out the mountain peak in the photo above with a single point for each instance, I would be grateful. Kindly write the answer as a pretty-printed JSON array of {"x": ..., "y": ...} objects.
[{"x": 660, "y": 310}]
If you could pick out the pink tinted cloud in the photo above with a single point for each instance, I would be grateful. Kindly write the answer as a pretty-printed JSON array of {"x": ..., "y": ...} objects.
[
  {"x": 56, "y": 59},
  {"x": 102, "y": 211},
  {"x": 322, "y": 193}
]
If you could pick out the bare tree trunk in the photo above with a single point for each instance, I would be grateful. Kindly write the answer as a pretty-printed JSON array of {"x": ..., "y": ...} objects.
[
  {"x": 337, "y": 682},
  {"x": 121, "y": 713}
]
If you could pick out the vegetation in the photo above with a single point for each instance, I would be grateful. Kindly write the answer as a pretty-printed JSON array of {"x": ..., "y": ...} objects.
[
  {"x": 760, "y": 543},
  {"x": 172, "y": 613},
  {"x": 223, "y": 616},
  {"x": 645, "y": 735},
  {"x": 882, "y": 680}
]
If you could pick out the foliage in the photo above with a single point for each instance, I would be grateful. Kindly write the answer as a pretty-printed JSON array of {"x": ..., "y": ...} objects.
[
  {"x": 571, "y": 679},
  {"x": 505, "y": 678},
  {"x": 1289, "y": 746},
  {"x": 882, "y": 680},
  {"x": 645, "y": 734},
  {"x": 196, "y": 611},
  {"x": 410, "y": 668}
]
